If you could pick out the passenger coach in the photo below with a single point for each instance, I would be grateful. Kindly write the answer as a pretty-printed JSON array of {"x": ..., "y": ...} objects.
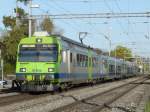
[{"x": 47, "y": 63}]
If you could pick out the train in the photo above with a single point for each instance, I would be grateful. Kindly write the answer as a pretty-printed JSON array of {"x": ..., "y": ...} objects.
[{"x": 53, "y": 62}]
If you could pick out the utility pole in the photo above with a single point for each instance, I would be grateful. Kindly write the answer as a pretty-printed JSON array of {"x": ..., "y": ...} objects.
[
  {"x": 115, "y": 62},
  {"x": 16, "y": 13},
  {"x": 2, "y": 68},
  {"x": 2, "y": 71},
  {"x": 30, "y": 18},
  {"x": 109, "y": 40}
]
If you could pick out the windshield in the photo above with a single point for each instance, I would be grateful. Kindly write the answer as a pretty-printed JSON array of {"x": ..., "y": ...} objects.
[{"x": 38, "y": 53}]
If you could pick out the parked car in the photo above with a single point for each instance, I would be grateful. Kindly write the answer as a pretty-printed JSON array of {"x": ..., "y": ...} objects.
[{"x": 4, "y": 82}]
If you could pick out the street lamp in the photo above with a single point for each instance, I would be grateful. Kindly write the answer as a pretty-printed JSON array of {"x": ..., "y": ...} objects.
[
  {"x": 30, "y": 15},
  {"x": 1, "y": 61},
  {"x": 109, "y": 40},
  {"x": 106, "y": 37}
]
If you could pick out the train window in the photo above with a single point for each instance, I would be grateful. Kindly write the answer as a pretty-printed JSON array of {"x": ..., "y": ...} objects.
[
  {"x": 119, "y": 69},
  {"x": 86, "y": 61},
  {"x": 78, "y": 59},
  {"x": 82, "y": 60},
  {"x": 93, "y": 62},
  {"x": 105, "y": 63},
  {"x": 111, "y": 68},
  {"x": 128, "y": 70},
  {"x": 71, "y": 57}
]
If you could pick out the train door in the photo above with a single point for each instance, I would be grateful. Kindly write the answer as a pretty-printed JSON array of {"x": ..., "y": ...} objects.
[
  {"x": 90, "y": 68},
  {"x": 70, "y": 61}
]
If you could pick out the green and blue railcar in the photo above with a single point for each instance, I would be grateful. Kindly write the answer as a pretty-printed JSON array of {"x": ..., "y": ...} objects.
[{"x": 46, "y": 63}]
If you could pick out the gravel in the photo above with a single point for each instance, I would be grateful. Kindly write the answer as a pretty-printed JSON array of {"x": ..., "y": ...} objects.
[
  {"x": 134, "y": 101},
  {"x": 9, "y": 94},
  {"x": 48, "y": 103}
]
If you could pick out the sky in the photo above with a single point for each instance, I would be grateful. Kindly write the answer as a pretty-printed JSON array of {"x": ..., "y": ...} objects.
[{"x": 129, "y": 32}]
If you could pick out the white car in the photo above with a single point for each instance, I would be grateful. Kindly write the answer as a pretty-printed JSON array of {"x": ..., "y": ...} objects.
[{"x": 3, "y": 82}]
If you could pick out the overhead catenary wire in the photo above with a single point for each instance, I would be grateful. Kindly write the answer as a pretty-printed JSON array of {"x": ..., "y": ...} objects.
[
  {"x": 68, "y": 12},
  {"x": 65, "y": 22},
  {"x": 96, "y": 15},
  {"x": 107, "y": 5},
  {"x": 58, "y": 6},
  {"x": 120, "y": 10}
]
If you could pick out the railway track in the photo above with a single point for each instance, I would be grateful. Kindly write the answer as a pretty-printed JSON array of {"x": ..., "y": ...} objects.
[
  {"x": 100, "y": 101},
  {"x": 9, "y": 90},
  {"x": 20, "y": 97},
  {"x": 25, "y": 97}
]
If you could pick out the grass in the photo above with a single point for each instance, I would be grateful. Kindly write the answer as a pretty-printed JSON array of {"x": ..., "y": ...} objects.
[{"x": 147, "y": 107}]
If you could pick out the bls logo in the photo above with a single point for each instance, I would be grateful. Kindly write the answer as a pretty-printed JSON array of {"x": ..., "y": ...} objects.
[{"x": 36, "y": 70}]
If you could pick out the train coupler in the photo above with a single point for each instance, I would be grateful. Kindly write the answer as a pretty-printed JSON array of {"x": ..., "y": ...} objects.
[{"x": 16, "y": 85}]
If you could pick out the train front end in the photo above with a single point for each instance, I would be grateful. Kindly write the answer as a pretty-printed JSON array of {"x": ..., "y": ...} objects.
[{"x": 38, "y": 63}]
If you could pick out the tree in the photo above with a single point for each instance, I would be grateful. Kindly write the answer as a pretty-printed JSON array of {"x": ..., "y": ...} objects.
[
  {"x": 58, "y": 31},
  {"x": 122, "y": 52},
  {"x": 20, "y": 12},
  {"x": 16, "y": 33},
  {"x": 11, "y": 40},
  {"x": 9, "y": 22},
  {"x": 24, "y": 1},
  {"x": 99, "y": 51},
  {"x": 47, "y": 25}
]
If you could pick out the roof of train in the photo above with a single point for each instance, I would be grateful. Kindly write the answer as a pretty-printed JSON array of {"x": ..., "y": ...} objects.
[
  {"x": 82, "y": 45},
  {"x": 46, "y": 34},
  {"x": 72, "y": 41}
]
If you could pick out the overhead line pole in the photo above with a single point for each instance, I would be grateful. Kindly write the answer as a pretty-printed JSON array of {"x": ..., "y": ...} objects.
[
  {"x": 16, "y": 12},
  {"x": 1, "y": 65},
  {"x": 30, "y": 18}
]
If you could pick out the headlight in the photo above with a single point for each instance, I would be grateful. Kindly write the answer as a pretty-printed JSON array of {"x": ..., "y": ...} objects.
[
  {"x": 50, "y": 69},
  {"x": 22, "y": 69},
  {"x": 38, "y": 40}
]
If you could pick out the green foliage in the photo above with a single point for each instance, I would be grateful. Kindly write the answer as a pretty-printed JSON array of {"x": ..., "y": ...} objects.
[
  {"x": 15, "y": 34},
  {"x": 47, "y": 25},
  {"x": 24, "y": 1},
  {"x": 11, "y": 43},
  {"x": 9, "y": 22},
  {"x": 147, "y": 107},
  {"x": 11, "y": 40},
  {"x": 9, "y": 68},
  {"x": 122, "y": 52},
  {"x": 99, "y": 51},
  {"x": 20, "y": 12}
]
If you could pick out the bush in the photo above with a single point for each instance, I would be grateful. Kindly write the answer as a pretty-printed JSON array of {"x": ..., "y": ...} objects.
[
  {"x": 147, "y": 107},
  {"x": 9, "y": 68}
]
